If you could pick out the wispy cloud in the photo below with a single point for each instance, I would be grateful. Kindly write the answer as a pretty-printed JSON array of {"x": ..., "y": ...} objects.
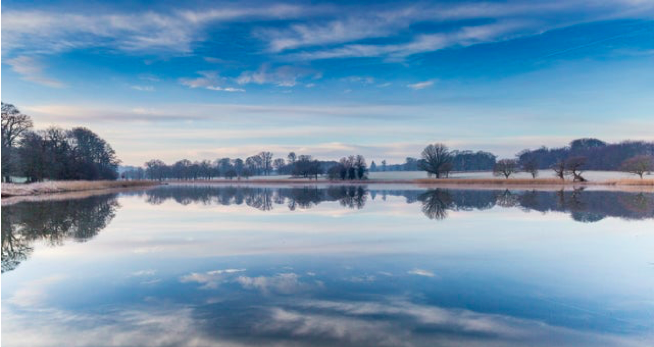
[
  {"x": 143, "y": 88},
  {"x": 421, "y": 85},
  {"x": 421, "y": 272},
  {"x": 283, "y": 76},
  {"x": 175, "y": 32},
  {"x": 210, "y": 80},
  {"x": 31, "y": 69},
  {"x": 211, "y": 279}
]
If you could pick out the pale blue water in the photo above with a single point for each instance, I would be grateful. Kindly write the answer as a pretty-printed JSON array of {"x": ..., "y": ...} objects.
[{"x": 340, "y": 266}]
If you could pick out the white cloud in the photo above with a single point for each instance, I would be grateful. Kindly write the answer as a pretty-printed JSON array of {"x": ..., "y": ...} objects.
[
  {"x": 168, "y": 33},
  {"x": 226, "y": 89},
  {"x": 284, "y": 283},
  {"x": 210, "y": 80},
  {"x": 32, "y": 70},
  {"x": 421, "y": 85},
  {"x": 143, "y": 88},
  {"x": 421, "y": 272},
  {"x": 283, "y": 76},
  {"x": 211, "y": 279}
]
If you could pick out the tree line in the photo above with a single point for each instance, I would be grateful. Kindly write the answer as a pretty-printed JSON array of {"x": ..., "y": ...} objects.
[
  {"x": 79, "y": 153},
  {"x": 53, "y": 153},
  {"x": 636, "y": 157},
  {"x": 305, "y": 166}
]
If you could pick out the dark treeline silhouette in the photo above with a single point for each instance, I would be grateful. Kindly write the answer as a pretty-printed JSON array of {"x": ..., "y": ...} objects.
[
  {"x": 597, "y": 154},
  {"x": 461, "y": 161},
  {"x": 304, "y": 166},
  {"x": 583, "y": 206},
  {"x": 52, "y": 222},
  {"x": 54, "y": 153}
]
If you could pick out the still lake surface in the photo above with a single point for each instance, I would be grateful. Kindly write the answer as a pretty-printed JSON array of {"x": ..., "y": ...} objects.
[{"x": 330, "y": 266}]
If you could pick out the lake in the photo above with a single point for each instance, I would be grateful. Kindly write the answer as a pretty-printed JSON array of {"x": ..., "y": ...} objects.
[{"x": 326, "y": 265}]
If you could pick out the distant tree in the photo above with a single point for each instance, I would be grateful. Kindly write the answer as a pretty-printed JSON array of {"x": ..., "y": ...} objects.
[
  {"x": 410, "y": 164},
  {"x": 383, "y": 166},
  {"x": 436, "y": 158},
  {"x": 279, "y": 164},
  {"x": 559, "y": 169},
  {"x": 14, "y": 125},
  {"x": 238, "y": 167},
  {"x": 230, "y": 173},
  {"x": 360, "y": 166},
  {"x": 505, "y": 167},
  {"x": 531, "y": 166},
  {"x": 246, "y": 173},
  {"x": 586, "y": 143},
  {"x": 292, "y": 157},
  {"x": 573, "y": 166},
  {"x": 638, "y": 165},
  {"x": 155, "y": 169},
  {"x": 373, "y": 166},
  {"x": 266, "y": 162}
]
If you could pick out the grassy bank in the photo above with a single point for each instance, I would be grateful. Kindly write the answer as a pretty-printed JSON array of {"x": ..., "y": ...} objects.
[{"x": 55, "y": 187}]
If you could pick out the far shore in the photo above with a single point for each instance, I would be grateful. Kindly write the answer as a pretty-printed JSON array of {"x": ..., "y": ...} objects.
[{"x": 45, "y": 190}]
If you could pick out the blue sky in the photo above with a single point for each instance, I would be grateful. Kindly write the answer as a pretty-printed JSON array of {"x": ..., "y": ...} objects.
[{"x": 203, "y": 80}]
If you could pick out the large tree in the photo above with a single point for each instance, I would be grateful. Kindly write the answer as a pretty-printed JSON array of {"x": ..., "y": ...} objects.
[
  {"x": 436, "y": 159},
  {"x": 14, "y": 125}
]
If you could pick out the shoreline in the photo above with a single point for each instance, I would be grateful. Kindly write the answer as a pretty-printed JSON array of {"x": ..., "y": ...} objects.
[
  {"x": 13, "y": 193},
  {"x": 14, "y": 190}
]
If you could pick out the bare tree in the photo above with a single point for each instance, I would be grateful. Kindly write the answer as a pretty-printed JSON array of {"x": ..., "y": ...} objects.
[
  {"x": 14, "y": 125},
  {"x": 279, "y": 164},
  {"x": 573, "y": 166},
  {"x": 292, "y": 157},
  {"x": 638, "y": 165},
  {"x": 505, "y": 167},
  {"x": 559, "y": 169},
  {"x": 435, "y": 159},
  {"x": 266, "y": 162},
  {"x": 531, "y": 166}
]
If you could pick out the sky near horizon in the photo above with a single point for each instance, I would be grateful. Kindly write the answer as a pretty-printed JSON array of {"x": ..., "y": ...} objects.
[{"x": 205, "y": 80}]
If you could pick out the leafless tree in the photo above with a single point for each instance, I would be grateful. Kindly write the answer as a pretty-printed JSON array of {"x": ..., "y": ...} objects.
[
  {"x": 573, "y": 166},
  {"x": 279, "y": 164},
  {"x": 292, "y": 157},
  {"x": 531, "y": 166},
  {"x": 266, "y": 162},
  {"x": 559, "y": 169},
  {"x": 638, "y": 165},
  {"x": 505, "y": 167},
  {"x": 14, "y": 125},
  {"x": 435, "y": 159}
]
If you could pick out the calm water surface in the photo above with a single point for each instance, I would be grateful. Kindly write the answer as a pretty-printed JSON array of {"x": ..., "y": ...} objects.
[{"x": 338, "y": 266}]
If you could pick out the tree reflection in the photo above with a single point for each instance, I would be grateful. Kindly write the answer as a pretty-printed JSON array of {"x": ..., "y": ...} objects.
[
  {"x": 583, "y": 206},
  {"x": 52, "y": 222}
]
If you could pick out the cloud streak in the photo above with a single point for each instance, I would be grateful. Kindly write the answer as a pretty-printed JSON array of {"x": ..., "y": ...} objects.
[{"x": 31, "y": 70}]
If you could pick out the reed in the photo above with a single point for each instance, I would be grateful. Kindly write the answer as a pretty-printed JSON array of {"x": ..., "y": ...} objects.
[
  {"x": 495, "y": 181},
  {"x": 649, "y": 182},
  {"x": 53, "y": 187}
]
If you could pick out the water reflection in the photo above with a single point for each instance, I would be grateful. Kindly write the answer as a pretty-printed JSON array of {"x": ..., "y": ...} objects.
[
  {"x": 52, "y": 222},
  {"x": 170, "y": 272},
  {"x": 583, "y": 206}
]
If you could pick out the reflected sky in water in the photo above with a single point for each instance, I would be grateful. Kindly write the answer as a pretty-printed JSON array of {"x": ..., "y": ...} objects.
[{"x": 317, "y": 266}]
